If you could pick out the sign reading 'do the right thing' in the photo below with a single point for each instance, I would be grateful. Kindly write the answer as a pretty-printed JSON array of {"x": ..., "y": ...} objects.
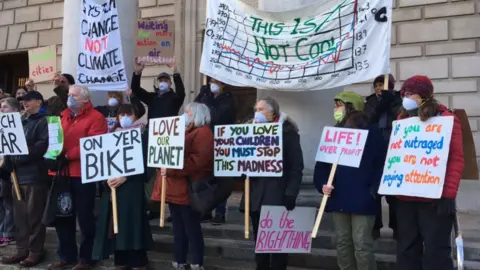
[{"x": 254, "y": 150}]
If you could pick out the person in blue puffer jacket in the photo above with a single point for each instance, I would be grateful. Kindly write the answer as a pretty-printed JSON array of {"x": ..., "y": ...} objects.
[{"x": 354, "y": 190}]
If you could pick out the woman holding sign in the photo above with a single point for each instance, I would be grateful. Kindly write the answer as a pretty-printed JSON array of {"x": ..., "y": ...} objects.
[
  {"x": 353, "y": 193},
  {"x": 134, "y": 238},
  {"x": 425, "y": 225}
]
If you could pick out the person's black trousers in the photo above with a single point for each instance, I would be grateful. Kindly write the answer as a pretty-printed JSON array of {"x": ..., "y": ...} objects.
[
  {"x": 267, "y": 261},
  {"x": 392, "y": 213},
  {"x": 83, "y": 207},
  {"x": 131, "y": 258},
  {"x": 424, "y": 237}
]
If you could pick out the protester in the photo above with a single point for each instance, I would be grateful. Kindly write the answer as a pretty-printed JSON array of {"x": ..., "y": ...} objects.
[
  {"x": 353, "y": 203},
  {"x": 7, "y": 224},
  {"x": 382, "y": 108},
  {"x": 222, "y": 109},
  {"x": 31, "y": 174},
  {"x": 79, "y": 120},
  {"x": 3, "y": 93},
  {"x": 425, "y": 225},
  {"x": 134, "y": 238},
  {"x": 198, "y": 164},
  {"x": 20, "y": 92},
  {"x": 57, "y": 103},
  {"x": 276, "y": 190},
  {"x": 30, "y": 85}
]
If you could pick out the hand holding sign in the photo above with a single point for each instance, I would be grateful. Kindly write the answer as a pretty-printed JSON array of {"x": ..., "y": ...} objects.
[
  {"x": 327, "y": 190},
  {"x": 116, "y": 182},
  {"x": 139, "y": 67}
]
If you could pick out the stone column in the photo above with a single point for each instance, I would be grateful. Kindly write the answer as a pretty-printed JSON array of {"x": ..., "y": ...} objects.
[
  {"x": 312, "y": 110},
  {"x": 127, "y": 11}
]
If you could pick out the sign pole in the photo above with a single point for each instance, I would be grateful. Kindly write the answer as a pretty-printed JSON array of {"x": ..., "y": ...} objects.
[
  {"x": 15, "y": 185},
  {"x": 247, "y": 207},
  {"x": 385, "y": 81},
  {"x": 115, "y": 210},
  {"x": 162, "y": 201}
]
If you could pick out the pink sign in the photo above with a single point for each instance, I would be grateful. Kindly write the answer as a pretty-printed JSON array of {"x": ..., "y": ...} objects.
[{"x": 282, "y": 231}]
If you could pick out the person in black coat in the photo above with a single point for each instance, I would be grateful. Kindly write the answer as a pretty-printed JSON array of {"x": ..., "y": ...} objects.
[
  {"x": 276, "y": 190},
  {"x": 382, "y": 108}
]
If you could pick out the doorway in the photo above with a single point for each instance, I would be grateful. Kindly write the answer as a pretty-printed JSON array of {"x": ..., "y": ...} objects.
[{"x": 13, "y": 70}]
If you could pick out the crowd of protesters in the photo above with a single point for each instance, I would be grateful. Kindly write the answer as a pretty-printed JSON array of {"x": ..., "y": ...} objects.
[{"x": 421, "y": 227}]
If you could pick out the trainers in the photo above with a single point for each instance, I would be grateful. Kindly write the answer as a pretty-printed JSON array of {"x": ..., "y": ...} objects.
[
  {"x": 218, "y": 220},
  {"x": 5, "y": 241},
  {"x": 178, "y": 266},
  {"x": 196, "y": 267}
]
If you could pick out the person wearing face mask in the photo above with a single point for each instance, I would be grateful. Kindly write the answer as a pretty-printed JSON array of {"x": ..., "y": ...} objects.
[
  {"x": 425, "y": 225},
  {"x": 353, "y": 194},
  {"x": 134, "y": 238},
  {"x": 382, "y": 108},
  {"x": 282, "y": 190},
  {"x": 57, "y": 103},
  {"x": 79, "y": 120}
]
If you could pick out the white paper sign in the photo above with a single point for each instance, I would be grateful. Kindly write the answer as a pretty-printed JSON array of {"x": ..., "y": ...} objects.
[
  {"x": 166, "y": 142},
  {"x": 12, "y": 136},
  {"x": 100, "y": 64},
  {"x": 254, "y": 150},
  {"x": 324, "y": 45},
  {"x": 111, "y": 155},
  {"x": 417, "y": 157},
  {"x": 282, "y": 231},
  {"x": 346, "y": 142}
]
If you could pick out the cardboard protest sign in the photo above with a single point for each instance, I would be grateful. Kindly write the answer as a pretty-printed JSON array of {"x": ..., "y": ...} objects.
[
  {"x": 155, "y": 41},
  {"x": 42, "y": 63},
  {"x": 55, "y": 137},
  {"x": 254, "y": 150},
  {"x": 166, "y": 142},
  {"x": 111, "y": 155},
  {"x": 100, "y": 63},
  {"x": 282, "y": 231},
  {"x": 12, "y": 136},
  {"x": 324, "y": 45},
  {"x": 346, "y": 142},
  {"x": 417, "y": 157}
]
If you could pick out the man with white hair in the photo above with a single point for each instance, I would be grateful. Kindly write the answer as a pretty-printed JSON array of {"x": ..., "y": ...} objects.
[{"x": 79, "y": 120}]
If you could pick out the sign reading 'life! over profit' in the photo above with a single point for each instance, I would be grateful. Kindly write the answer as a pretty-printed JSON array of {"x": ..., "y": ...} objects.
[
  {"x": 166, "y": 142},
  {"x": 417, "y": 157},
  {"x": 254, "y": 150}
]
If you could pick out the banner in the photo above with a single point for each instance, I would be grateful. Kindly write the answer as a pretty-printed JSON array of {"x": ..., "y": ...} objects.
[
  {"x": 417, "y": 157},
  {"x": 155, "y": 41},
  {"x": 346, "y": 142},
  {"x": 166, "y": 142},
  {"x": 55, "y": 137},
  {"x": 12, "y": 136},
  {"x": 100, "y": 64},
  {"x": 324, "y": 45},
  {"x": 42, "y": 63},
  {"x": 282, "y": 231},
  {"x": 111, "y": 155},
  {"x": 254, "y": 150}
]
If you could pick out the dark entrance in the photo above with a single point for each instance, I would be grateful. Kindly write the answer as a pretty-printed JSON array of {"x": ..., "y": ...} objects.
[{"x": 13, "y": 70}]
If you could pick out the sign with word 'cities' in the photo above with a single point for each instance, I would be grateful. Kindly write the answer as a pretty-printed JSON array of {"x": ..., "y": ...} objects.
[
  {"x": 282, "y": 231},
  {"x": 324, "y": 45},
  {"x": 254, "y": 150},
  {"x": 12, "y": 136},
  {"x": 346, "y": 142},
  {"x": 417, "y": 157},
  {"x": 166, "y": 142},
  {"x": 42, "y": 63},
  {"x": 100, "y": 64},
  {"x": 155, "y": 41}
]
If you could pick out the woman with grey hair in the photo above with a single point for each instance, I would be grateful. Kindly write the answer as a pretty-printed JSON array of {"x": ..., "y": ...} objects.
[{"x": 198, "y": 164}]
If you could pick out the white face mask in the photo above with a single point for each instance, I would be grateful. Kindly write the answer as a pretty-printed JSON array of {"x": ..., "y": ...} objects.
[
  {"x": 409, "y": 104},
  {"x": 113, "y": 102},
  {"x": 214, "y": 88},
  {"x": 163, "y": 86},
  {"x": 126, "y": 122}
]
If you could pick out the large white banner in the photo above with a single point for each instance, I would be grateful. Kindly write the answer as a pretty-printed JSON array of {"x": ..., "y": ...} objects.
[
  {"x": 100, "y": 64},
  {"x": 325, "y": 45}
]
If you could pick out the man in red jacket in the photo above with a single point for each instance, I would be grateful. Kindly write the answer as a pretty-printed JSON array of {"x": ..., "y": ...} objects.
[{"x": 79, "y": 120}]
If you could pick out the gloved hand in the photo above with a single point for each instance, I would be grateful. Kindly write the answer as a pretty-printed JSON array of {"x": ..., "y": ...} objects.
[
  {"x": 289, "y": 202},
  {"x": 62, "y": 162},
  {"x": 445, "y": 207}
]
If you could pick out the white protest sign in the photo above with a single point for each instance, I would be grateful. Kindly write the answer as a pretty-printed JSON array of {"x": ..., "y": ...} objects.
[
  {"x": 55, "y": 137},
  {"x": 12, "y": 136},
  {"x": 282, "y": 231},
  {"x": 254, "y": 150},
  {"x": 324, "y": 45},
  {"x": 100, "y": 64},
  {"x": 166, "y": 142},
  {"x": 111, "y": 155},
  {"x": 346, "y": 142},
  {"x": 417, "y": 157}
]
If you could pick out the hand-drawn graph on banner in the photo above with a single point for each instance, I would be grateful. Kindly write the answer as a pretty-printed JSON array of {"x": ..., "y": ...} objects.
[{"x": 320, "y": 46}]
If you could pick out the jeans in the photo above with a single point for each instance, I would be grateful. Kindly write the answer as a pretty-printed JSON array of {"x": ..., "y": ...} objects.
[
  {"x": 354, "y": 241},
  {"x": 131, "y": 258},
  {"x": 424, "y": 237},
  {"x": 7, "y": 224},
  {"x": 392, "y": 213},
  {"x": 187, "y": 233},
  {"x": 221, "y": 209},
  {"x": 83, "y": 206}
]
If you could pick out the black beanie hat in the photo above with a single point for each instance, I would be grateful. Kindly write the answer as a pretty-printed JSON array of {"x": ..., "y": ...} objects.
[{"x": 70, "y": 78}]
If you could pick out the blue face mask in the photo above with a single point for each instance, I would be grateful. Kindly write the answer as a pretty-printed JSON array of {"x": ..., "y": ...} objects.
[
  {"x": 126, "y": 122},
  {"x": 260, "y": 118},
  {"x": 72, "y": 103}
]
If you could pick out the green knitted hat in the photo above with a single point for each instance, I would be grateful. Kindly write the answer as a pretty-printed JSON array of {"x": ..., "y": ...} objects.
[{"x": 352, "y": 97}]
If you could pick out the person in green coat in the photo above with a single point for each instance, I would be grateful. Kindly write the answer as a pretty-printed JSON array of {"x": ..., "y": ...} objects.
[{"x": 134, "y": 238}]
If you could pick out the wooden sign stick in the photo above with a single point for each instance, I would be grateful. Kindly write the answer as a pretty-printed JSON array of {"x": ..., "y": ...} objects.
[
  {"x": 324, "y": 199},
  {"x": 247, "y": 207},
  {"x": 162, "y": 201},
  {"x": 114, "y": 211},
  {"x": 385, "y": 81},
  {"x": 15, "y": 185}
]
